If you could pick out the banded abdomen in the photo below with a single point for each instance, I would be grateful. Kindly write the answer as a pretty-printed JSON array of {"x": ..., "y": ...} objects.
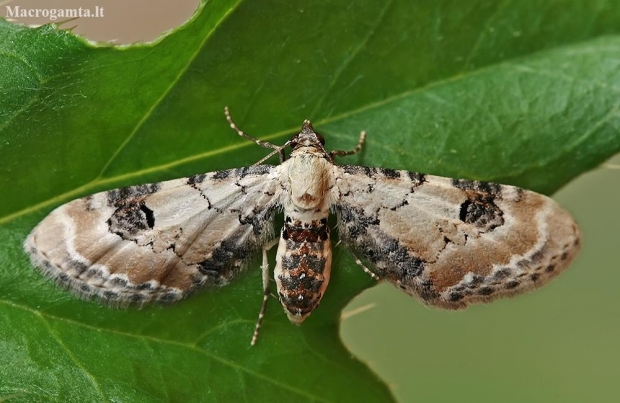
[{"x": 303, "y": 265}]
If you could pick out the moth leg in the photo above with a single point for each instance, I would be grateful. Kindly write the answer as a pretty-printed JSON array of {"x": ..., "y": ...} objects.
[
  {"x": 360, "y": 264},
  {"x": 356, "y": 150},
  {"x": 266, "y": 144},
  {"x": 366, "y": 269},
  {"x": 265, "y": 269}
]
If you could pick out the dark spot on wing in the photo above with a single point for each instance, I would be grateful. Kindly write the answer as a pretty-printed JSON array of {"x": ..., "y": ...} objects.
[
  {"x": 455, "y": 296},
  {"x": 417, "y": 177},
  {"x": 122, "y": 196},
  {"x": 253, "y": 170},
  {"x": 78, "y": 266},
  {"x": 260, "y": 169},
  {"x": 110, "y": 295},
  {"x": 222, "y": 174},
  {"x": 489, "y": 188},
  {"x": 501, "y": 274},
  {"x": 196, "y": 179},
  {"x": 168, "y": 297},
  {"x": 225, "y": 260},
  {"x": 389, "y": 173},
  {"x": 426, "y": 291},
  {"x": 145, "y": 286},
  {"x": 150, "y": 217},
  {"x": 359, "y": 170},
  {"x": 475, "y": 281},
  {"x": 131, "y": 219},
  {"x": 118, "y": 282},
  {"x": 259, "y": 219},
  {"x": 481, "y": 212},
  {"x": 363, "y": 234},
  {"x": 354, "y": 221}
]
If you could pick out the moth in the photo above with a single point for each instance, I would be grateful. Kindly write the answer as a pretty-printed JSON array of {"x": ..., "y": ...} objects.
[{"x": 448, "y": 242}]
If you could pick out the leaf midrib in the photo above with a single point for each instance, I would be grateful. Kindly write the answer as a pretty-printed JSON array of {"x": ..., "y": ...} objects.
[{"x": 167, "y": 90}]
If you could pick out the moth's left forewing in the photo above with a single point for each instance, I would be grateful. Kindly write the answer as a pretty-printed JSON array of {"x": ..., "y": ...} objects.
[
  {"x": 453, "y": 242},
  {"x": 158, "y": 241}
]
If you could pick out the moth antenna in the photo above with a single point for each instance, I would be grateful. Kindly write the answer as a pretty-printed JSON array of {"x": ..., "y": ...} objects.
[
  {"x": 356, "y": 150},
  {"x": 279, "y": 151},
  {"x": 233, "y": 126}
]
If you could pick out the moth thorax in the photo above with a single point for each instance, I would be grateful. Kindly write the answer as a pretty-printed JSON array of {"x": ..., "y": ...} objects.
[{"x": 308, "y": 179}]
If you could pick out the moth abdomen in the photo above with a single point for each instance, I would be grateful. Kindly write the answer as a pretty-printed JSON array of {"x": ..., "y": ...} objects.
[
  {"x": 303, "y": 266},
  {"x": 300, "y": 294}
]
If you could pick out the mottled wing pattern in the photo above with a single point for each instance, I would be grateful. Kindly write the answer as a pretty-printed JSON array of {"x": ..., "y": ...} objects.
[
  {"x": 159, "y": 241},
  {"x": 452, "y": 242}
]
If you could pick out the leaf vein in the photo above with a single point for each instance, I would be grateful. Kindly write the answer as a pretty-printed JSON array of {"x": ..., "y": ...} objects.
[
  {"x": 70, "y": 354},
  {"x": 229, "y": 363},
  {"x": 356, "y": 51},
  {"x": 164, "y": 94}
]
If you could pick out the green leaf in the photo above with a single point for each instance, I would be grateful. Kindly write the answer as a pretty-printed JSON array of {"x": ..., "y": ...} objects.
[{"x": 505, "y": 91}]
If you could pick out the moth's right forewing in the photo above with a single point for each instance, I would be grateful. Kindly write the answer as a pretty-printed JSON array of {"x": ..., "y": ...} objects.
[{"x": 453, "y": 242}]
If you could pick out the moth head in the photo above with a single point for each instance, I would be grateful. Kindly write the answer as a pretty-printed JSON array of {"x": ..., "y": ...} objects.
[{"x": 307, "y": 137}]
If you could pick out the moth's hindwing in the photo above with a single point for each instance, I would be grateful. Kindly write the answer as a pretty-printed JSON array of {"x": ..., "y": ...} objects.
[
  {"x": 160, "y": 241},
  {"x": 453, "y": 242}
]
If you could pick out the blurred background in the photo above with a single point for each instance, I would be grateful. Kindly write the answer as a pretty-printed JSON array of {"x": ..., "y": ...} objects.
[{"x": 559, "y": 344}]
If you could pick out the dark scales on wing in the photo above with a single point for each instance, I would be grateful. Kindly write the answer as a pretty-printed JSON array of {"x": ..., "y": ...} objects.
[
  {"x": 482, "y": 212},
  {"x": 132, "y": 216},
  {"x": 131, "y": 219}
]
